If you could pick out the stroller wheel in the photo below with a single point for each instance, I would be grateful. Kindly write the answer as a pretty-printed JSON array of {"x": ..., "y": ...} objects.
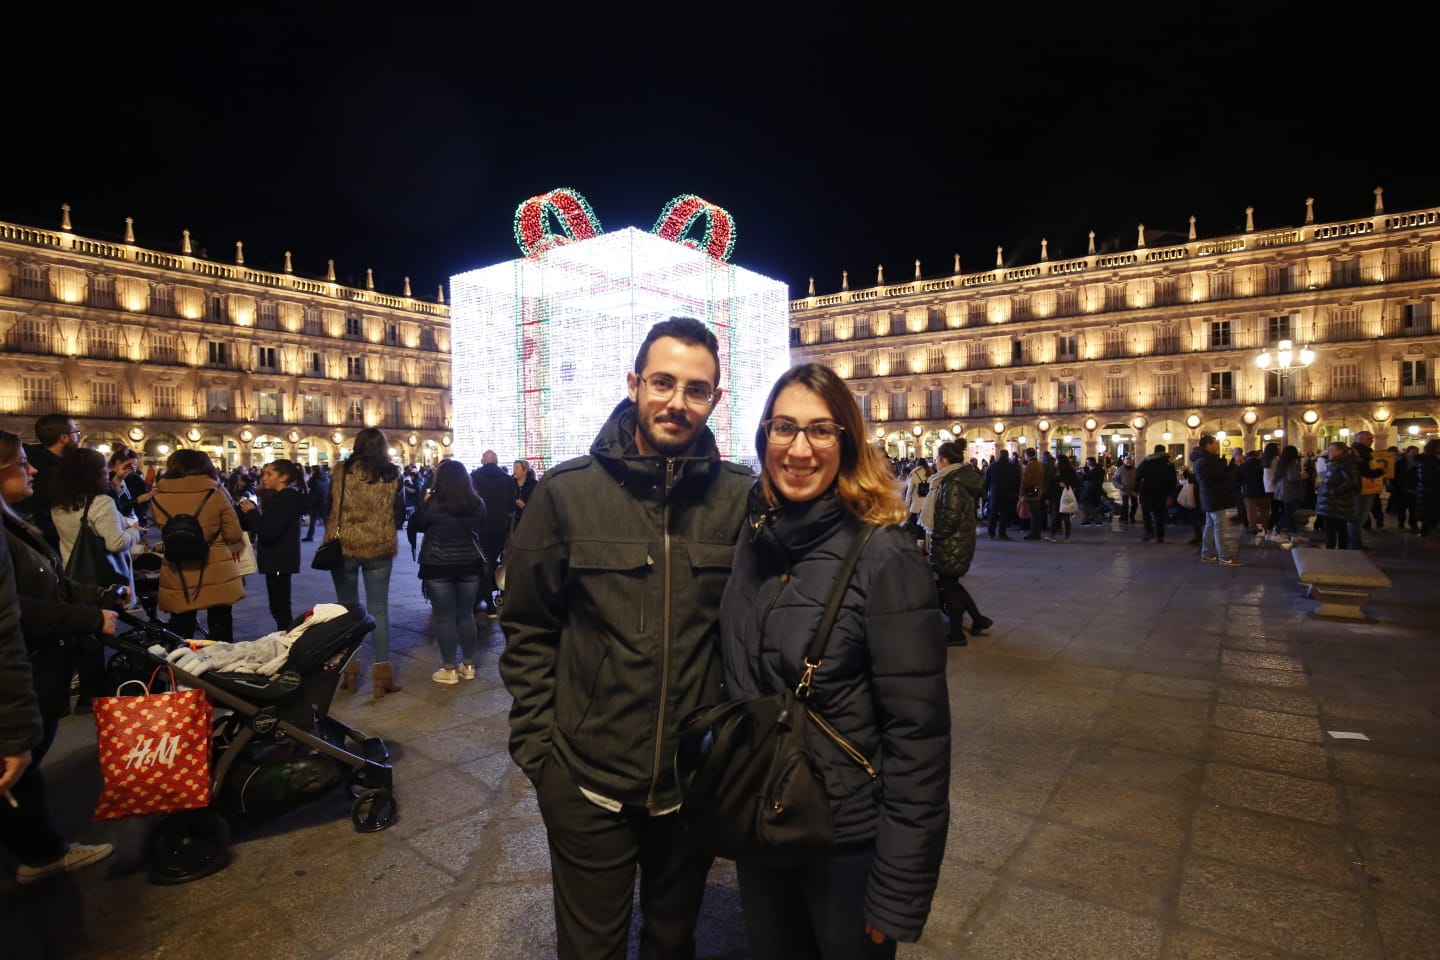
[
  {"x": 373, "y": 811},
  {"x": 186, "y": 846}
]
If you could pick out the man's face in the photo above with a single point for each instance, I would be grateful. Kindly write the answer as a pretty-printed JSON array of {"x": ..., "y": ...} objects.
[
  {"x": 72, "y": 435},
  {"x": 1213, "y": 446},
  {"x": 668, "y": 425},
  {"x": 1364, "y": 437}
]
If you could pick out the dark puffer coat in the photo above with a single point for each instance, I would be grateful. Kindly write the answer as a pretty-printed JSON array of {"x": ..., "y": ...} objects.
[
  {"x": 1339, "y": 490},
  {"x": 1425, "y": 487},
  {"x": 276, "y": 526},
  {"x": 1216, "y": 480},
  {"x": 881, "y": 684},
  {"x": 952, "y": 538}
]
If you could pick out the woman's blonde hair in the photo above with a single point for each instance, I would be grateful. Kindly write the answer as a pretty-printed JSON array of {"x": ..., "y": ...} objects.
[{"x": 864, "y": 484}]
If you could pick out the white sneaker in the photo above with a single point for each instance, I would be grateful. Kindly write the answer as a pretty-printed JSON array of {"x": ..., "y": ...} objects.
[
  {"x": 445, "y": 675},
  {"x": 467, "y": 671},
  {"x": 77, "y": 856}
]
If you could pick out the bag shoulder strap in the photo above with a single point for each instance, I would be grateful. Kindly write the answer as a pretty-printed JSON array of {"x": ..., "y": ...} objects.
[{"x": 837, "y": 595}]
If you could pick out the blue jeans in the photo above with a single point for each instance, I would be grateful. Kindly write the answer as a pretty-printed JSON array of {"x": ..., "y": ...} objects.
[
  {"x": 1363, "y": 503},
  {"x": 376, "y": 571},
  {"x": 811, "y": 911},
  {"x": 454, "y": 603},
  {"x": 1217, "y": 540}
]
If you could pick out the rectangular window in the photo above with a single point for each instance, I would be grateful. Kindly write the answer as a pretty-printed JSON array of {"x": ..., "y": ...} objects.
[
  {"x": 934, "y": 358},
  {"x": 1167, "y": 389},
  {"x": 1114, "y": 342},
  {"x": 427, "y": 340},
  {"x": 1017, "y": 351},
  {"x": 219, "y": 352},
  {"x": 1414, "y": 377},
  {"x": 217, "y": 401},
  {"x": 312, "y": 407},
  {"x": 162, "y": 400},
  {"x": 102, "y": 292},
  {"x": 392, "y": 370},
  {"x": 1222, "y": 386},
  {"x": 1413, "y": 264},
  {"x": 1219, "y": 334},
  {"x": 934, "y": 403},
  {"x": 1222, "y": 286},
  {"x": 1067, "y": 302},
  {"x": 354, "y": 329},
  {"x": 430, "y": 412},
  {"x": 217, "y": 307},
  {"x": 1067, "y": 396},
  {"x": 975, "y": 400},
  {"x": 265, "y": 358},
  {"x": 268, "y": 406},
  {"x": 162, "y": 300},
  {"x": 862, "y": 326},
  {"x": 1066, "y": 348},
  {"x": 936, "y": 317},
  {"x": 313, "y": 325},
  {"x": 897, "y": 322},
  {"x": 36, "y": 389},
  {"x": 1166, "y": 294},
  {"x": 392, "y": 333},
  {"x": 1344, "y": 376},
  {"x": 1345, "y": 273},
  {"x": 899, "y": 406},
  {"x": 1115, "y": 391},
  {"x": 977, "y": 313},
  {"x": 1416, "y": 319},
  {"x": 317, "y": 363},
  {"x": 863, "y": 401},
  {"x": 33, "y": 336},
  {"x": 104, "y": 397},
  {"x": 1167, "y": 338},
  {"x": 269, "y": 317},
  {"x": 1020, "y": 398},
  {"x": 864, "y": 365},
  {"x": 1279, "y": 329},
  {"x": 1019, "y": 308},
  {"x": 100, "y": 342},
  {"x": 1115, "y": 296},
  {"x": 355, "y": 368},
  {"x": 977, "y": 357},
  {"x": 355, "y": 410}
]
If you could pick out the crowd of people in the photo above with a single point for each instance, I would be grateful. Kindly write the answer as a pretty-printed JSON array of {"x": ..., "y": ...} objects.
[{"x": 642, "y": 582}]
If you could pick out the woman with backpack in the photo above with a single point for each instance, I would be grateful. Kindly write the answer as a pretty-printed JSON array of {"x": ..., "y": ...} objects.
[
  {"x": 276, "y": 525},
  {"x": 367, "y": 508},
  {"x": 451, "y": 564},
  {"x": 201, "y": 535}
]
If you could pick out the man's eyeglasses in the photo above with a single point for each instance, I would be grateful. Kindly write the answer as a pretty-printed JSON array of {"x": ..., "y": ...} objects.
[
  {"x": 821, "y": 433},
  {"x": 662, "y": 387}
]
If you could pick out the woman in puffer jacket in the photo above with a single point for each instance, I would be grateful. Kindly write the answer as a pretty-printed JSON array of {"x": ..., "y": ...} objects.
[
  {"x": 451, "y": 564},
  {"x": 880, "y": 684},
  {"x": 949, "y": 516}
]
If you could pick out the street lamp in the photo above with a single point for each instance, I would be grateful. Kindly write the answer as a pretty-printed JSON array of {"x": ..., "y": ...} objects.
[{"x": 1283, "y": 362}]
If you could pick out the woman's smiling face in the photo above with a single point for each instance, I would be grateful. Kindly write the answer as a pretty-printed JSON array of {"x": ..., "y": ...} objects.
[{"x": 801, "y": 471}]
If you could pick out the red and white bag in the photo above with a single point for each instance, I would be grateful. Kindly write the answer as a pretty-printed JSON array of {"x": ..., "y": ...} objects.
[{"x": 154, "y": 751}]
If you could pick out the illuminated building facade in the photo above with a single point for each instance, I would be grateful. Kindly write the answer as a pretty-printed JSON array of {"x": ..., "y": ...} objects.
[
  {"x": 542, "y": 343},
  {"x": 160, "y": 350},
  {"x": 1110, "y": 352}
]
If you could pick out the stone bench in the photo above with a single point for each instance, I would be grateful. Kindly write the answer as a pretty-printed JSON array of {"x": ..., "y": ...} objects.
[{"x": 1340, "y": 579}]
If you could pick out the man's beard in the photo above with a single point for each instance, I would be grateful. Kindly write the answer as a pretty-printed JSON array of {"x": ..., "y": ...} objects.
[{"x": 663, "y": 445}]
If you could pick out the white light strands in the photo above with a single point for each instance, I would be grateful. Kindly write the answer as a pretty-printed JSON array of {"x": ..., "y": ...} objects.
[{"x": 541, "y": 345}]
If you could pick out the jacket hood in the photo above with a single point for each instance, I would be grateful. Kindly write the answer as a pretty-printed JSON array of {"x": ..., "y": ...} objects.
[
  {"x": 795, "y": 528},
  {"x": 615, "y": 449},
  {"x": 1198, "y": 454}
]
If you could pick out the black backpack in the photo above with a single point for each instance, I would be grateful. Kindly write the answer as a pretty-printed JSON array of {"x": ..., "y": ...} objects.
[{"x": 182, "y": 535}]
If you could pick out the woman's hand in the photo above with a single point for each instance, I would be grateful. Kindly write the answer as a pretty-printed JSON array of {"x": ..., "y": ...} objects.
[
  {"x": 110, "y": 618},
  {"x": 876, "y": 936},
  {"x": 10, "y": 769},
  {"x": 245, "y": 504}
]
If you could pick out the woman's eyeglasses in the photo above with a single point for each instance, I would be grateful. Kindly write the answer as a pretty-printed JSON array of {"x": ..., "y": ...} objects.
[{"x": 821, "y": 433}]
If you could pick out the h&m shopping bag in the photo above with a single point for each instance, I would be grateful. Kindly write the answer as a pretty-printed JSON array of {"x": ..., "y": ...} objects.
[{"x": 154, "y": 751}]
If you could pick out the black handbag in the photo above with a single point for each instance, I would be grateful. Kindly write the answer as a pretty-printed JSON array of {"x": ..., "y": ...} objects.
[
  {"x": 91, "y": 560},
  {"x": 752, "y": 790},
  {"x": 330, "y": 554}
]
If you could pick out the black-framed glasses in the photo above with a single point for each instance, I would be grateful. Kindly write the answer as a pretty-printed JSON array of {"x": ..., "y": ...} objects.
[
  {"x": 697, "y": 394},
  {"x": 821, "y": 433}
]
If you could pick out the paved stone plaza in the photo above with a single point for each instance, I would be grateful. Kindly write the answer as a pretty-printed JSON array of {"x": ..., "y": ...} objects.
[{"x": 1142, "y": 769}]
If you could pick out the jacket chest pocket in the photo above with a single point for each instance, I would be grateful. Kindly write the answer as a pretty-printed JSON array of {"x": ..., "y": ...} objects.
[
  {"x": 710, "y": 566},
  {"x": 610, "y": 580}
]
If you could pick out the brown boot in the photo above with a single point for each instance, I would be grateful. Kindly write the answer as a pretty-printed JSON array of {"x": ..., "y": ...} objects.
[
  {"x": 350, "y": 675},
  {"x": 384, "y": 676}
]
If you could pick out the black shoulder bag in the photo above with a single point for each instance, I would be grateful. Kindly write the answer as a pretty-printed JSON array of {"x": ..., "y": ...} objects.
[
  {"x": 752, "y": 790},
  {"x": 91, "y": 561},
  {"x": 330, "y": 554}
]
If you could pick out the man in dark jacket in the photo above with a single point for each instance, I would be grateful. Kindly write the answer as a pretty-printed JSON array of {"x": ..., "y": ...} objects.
[
  {"x": 1002, "y": 483},
  {"x": 1155, "y": 483},
  {"x": 611, "y": 622},
  {"x": 55, "y": 432},
  {"x": 497, "y": 489},
  {"x": 1216, "y": 488},
  {"x": 951, "y": 522}
]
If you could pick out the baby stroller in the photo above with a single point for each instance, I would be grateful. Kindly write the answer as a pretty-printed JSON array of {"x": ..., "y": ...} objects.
[
  {"x": 147, "y": 580},
  {"x": 275, "y": 745}
]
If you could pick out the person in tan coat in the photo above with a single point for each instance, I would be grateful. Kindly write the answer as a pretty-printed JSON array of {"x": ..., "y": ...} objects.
[{"x": 214, "y": 586}]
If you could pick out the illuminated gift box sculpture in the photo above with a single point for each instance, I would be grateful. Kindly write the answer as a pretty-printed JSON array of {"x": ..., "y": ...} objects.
[{"x": 540, "y": 346}]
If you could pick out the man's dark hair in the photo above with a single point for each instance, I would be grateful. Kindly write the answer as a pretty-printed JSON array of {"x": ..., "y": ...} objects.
[
  {"x": 51, "y": 427},
  {"x": 1160, "y": 448},
  {"x": 686, "y": 330},
  {"x": 1206, "y": 440}
]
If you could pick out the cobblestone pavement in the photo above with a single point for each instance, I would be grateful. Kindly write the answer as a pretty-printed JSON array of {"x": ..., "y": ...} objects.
[{"x": 1144, "y": 767}]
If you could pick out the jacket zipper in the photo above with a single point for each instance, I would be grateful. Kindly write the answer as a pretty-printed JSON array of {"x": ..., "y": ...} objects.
[{"x": 664, "y": 629}]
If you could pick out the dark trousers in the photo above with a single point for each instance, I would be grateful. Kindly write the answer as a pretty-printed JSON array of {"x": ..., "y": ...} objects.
[
  {"x": 810, "y": 912},
  {"x": 315, "y": 514},
  {"x": 593, "y": 857},
  {"x": 277, "y": 589},
  {"x": 219, "y": 623},
  {"x": 1129, "y": 504},
  {"x": 1002, "y": 512},
  {"x": 957, "y": 602},
  {"x": 1154, "y": 513},
  {"x": 26, "y": 831}
]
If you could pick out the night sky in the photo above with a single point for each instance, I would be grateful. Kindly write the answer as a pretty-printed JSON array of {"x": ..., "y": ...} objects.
[{"x": 838, "y": 140}]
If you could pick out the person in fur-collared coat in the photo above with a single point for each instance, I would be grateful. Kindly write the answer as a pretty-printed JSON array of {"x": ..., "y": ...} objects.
[{"x": 192, "y": 485}]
